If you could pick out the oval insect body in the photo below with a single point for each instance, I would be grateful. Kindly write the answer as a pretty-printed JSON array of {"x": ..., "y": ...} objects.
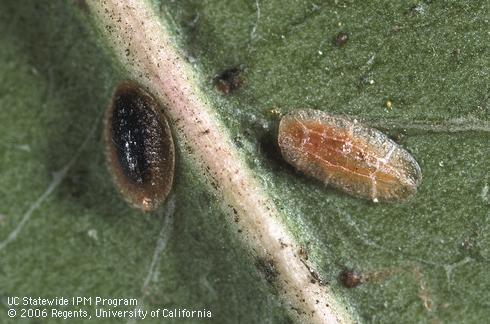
[
  {"x": 357, "y": 159},
  {"x": 139, "y": 147}
]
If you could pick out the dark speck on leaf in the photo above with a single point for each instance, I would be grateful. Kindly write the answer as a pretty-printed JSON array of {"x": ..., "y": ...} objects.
[
  {"x": 341, "y": 39},
  {"x": 229, "y": 80},
  {"x": 238, "y": 141},
  {"x": 351, "y": 279}
]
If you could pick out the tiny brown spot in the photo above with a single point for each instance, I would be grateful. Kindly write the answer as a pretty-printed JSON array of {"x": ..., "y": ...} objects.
[
  {"x": 303, "y": 253},
  {"x": 467, "y": 243},
  {"x": 229, "y": 80},
  {"x": 238, "y": 141},
  {"x": 351, "y": 279},
  {"x": 341, "y": 39},
  {"x": 283, "y": 245}
]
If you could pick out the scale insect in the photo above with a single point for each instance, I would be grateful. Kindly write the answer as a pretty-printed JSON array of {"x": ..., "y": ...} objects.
[
  {"x": 341, "y": 152},
  {"x": 139, "y": 147}
]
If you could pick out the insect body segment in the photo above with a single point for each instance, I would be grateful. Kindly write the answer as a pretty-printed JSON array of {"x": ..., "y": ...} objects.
[{"x": 357, "y": 159}]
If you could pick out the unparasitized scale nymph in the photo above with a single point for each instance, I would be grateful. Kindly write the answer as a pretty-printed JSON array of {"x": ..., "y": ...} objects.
[
  {"x": 352, "y": 157},
  {"x": 139, "y": 147}
]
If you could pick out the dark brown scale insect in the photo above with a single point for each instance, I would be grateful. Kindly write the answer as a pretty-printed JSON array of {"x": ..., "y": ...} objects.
[
  {"x": 139, "y": 147},
  {"x": 357, "y": 159}
]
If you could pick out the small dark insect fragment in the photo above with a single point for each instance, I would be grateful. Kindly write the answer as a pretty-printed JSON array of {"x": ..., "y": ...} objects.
[
  {"x": 229, "y": 80},
  {"x": 341, "y": 39},
  {"x": 139, "y": 147},
  {"x": 351, "y": 279}
]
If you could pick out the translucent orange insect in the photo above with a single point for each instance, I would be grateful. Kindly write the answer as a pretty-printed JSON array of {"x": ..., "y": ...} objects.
[{"x": 339, "y": 151}]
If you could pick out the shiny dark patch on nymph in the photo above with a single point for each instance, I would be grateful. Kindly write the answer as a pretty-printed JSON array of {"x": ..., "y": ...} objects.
[{"x": 135, "y": 135}]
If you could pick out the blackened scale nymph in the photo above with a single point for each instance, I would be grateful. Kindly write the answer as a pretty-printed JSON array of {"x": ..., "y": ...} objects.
[{"x": 139, "y": 146}]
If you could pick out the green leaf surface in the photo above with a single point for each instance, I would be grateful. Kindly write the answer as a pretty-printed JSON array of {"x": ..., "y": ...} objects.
[{"x": 70, "y": 234}]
